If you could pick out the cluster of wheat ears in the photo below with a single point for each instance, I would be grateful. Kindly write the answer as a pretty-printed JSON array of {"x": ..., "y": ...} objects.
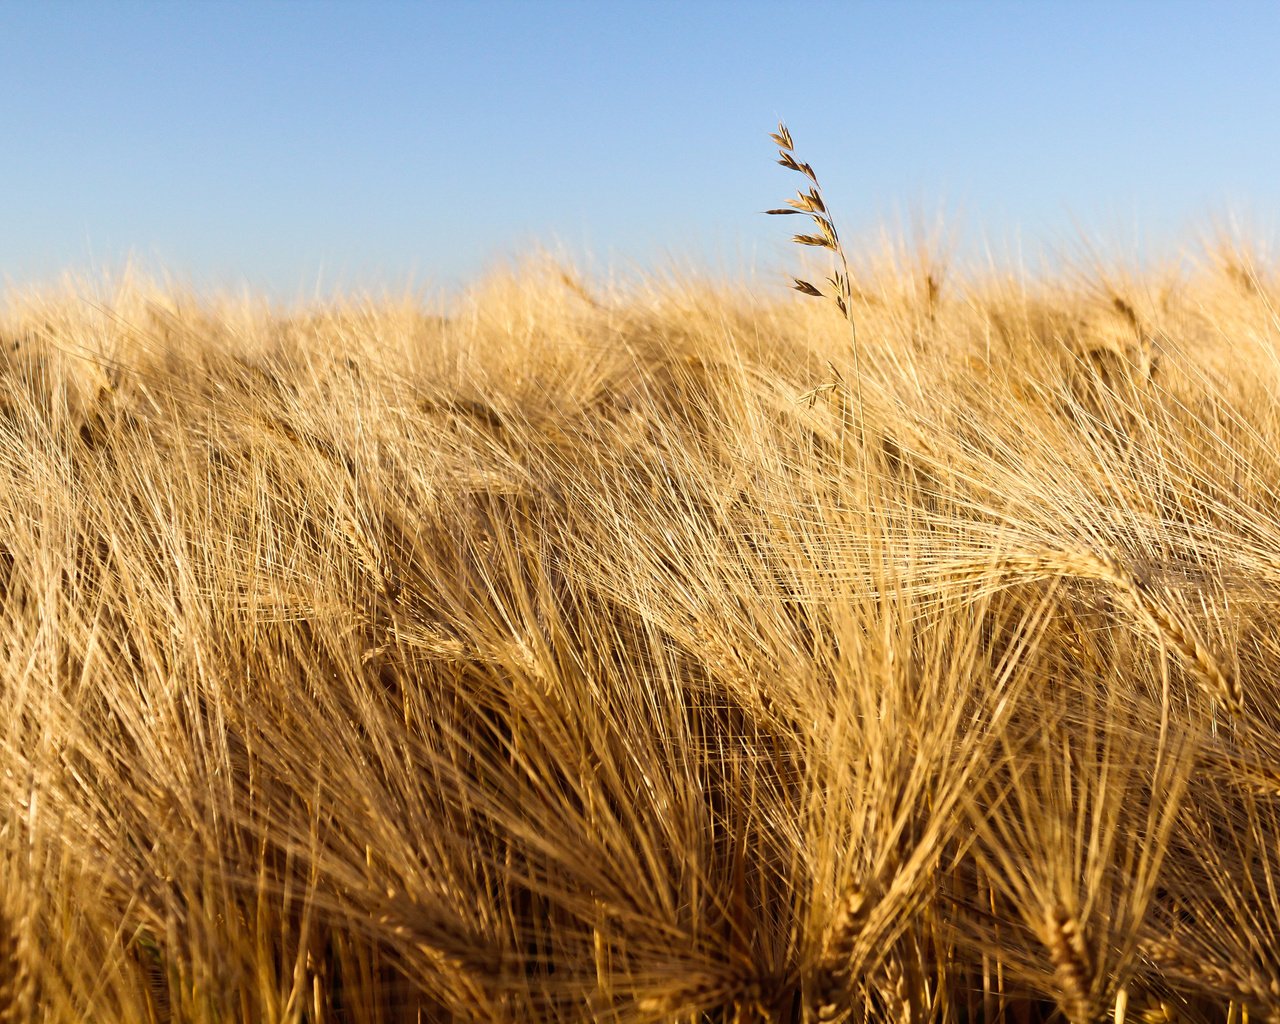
[{"x": 664, "y": 653}]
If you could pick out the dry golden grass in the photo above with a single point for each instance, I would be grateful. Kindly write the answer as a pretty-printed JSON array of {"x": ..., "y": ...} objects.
[{"x": 648, "y": 656}]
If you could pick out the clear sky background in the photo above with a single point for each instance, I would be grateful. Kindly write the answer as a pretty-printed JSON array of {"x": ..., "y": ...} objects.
[{"x": 293, "y": 145}]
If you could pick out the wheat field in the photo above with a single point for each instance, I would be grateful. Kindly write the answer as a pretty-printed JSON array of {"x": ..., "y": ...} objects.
[{"x": 660, "y": 653}]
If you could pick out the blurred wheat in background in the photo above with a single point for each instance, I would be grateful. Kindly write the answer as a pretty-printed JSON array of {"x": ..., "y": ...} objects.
[{"x": 648, "y": 654}]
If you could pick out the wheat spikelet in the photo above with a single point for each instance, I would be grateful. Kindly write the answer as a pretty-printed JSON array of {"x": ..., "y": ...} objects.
[
  {"x": 1242, "y": 981},
  {"x": 895, "y": 993},
  {"x": 1145, "y": 603},
  {"x": 15, "y": 976},
  {"x": 1149, "y": 1008},
  {"x": 1146, "y": 606},
  {"x": 1260, "y": 776},
  {"x": 1064, "y": 937},
  {"x": 834, "y": 985},
  {"x": 700, "y": 993}
]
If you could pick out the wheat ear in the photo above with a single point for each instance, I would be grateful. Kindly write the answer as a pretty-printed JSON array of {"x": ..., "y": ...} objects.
[
  {"x": 1242, "y": 981},
  {"x": 1144, "y": 603},
  {"x": 833, "y": 989},
  {"x": 15, "y": 978},
  {"x": 1065, "y": 939},
  {"x": 1216, "y": 681}
]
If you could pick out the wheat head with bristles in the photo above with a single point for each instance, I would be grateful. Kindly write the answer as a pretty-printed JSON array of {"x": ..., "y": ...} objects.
[
  {"x": 1064, "y": 937},
  {"x": 16, "y": 982},
  {"x": 834, "y": 985},
  {"x": 1145, "y": 604}
]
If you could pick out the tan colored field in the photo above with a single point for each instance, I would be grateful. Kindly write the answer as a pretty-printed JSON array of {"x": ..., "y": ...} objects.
[{"x": 571, "y": 658}]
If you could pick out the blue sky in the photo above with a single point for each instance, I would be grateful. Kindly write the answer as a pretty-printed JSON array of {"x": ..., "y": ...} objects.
[{"x": 290, "y": 146}]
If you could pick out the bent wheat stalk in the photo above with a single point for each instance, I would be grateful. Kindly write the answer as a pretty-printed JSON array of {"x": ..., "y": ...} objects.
[{"x": 1145, "y": 605}]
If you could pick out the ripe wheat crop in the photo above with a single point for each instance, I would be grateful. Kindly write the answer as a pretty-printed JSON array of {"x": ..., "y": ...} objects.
[{"x": 902, "y": 651}]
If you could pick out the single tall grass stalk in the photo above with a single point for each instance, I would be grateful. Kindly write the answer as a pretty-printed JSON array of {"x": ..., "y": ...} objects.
[{"x": 810, "y": 202}]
